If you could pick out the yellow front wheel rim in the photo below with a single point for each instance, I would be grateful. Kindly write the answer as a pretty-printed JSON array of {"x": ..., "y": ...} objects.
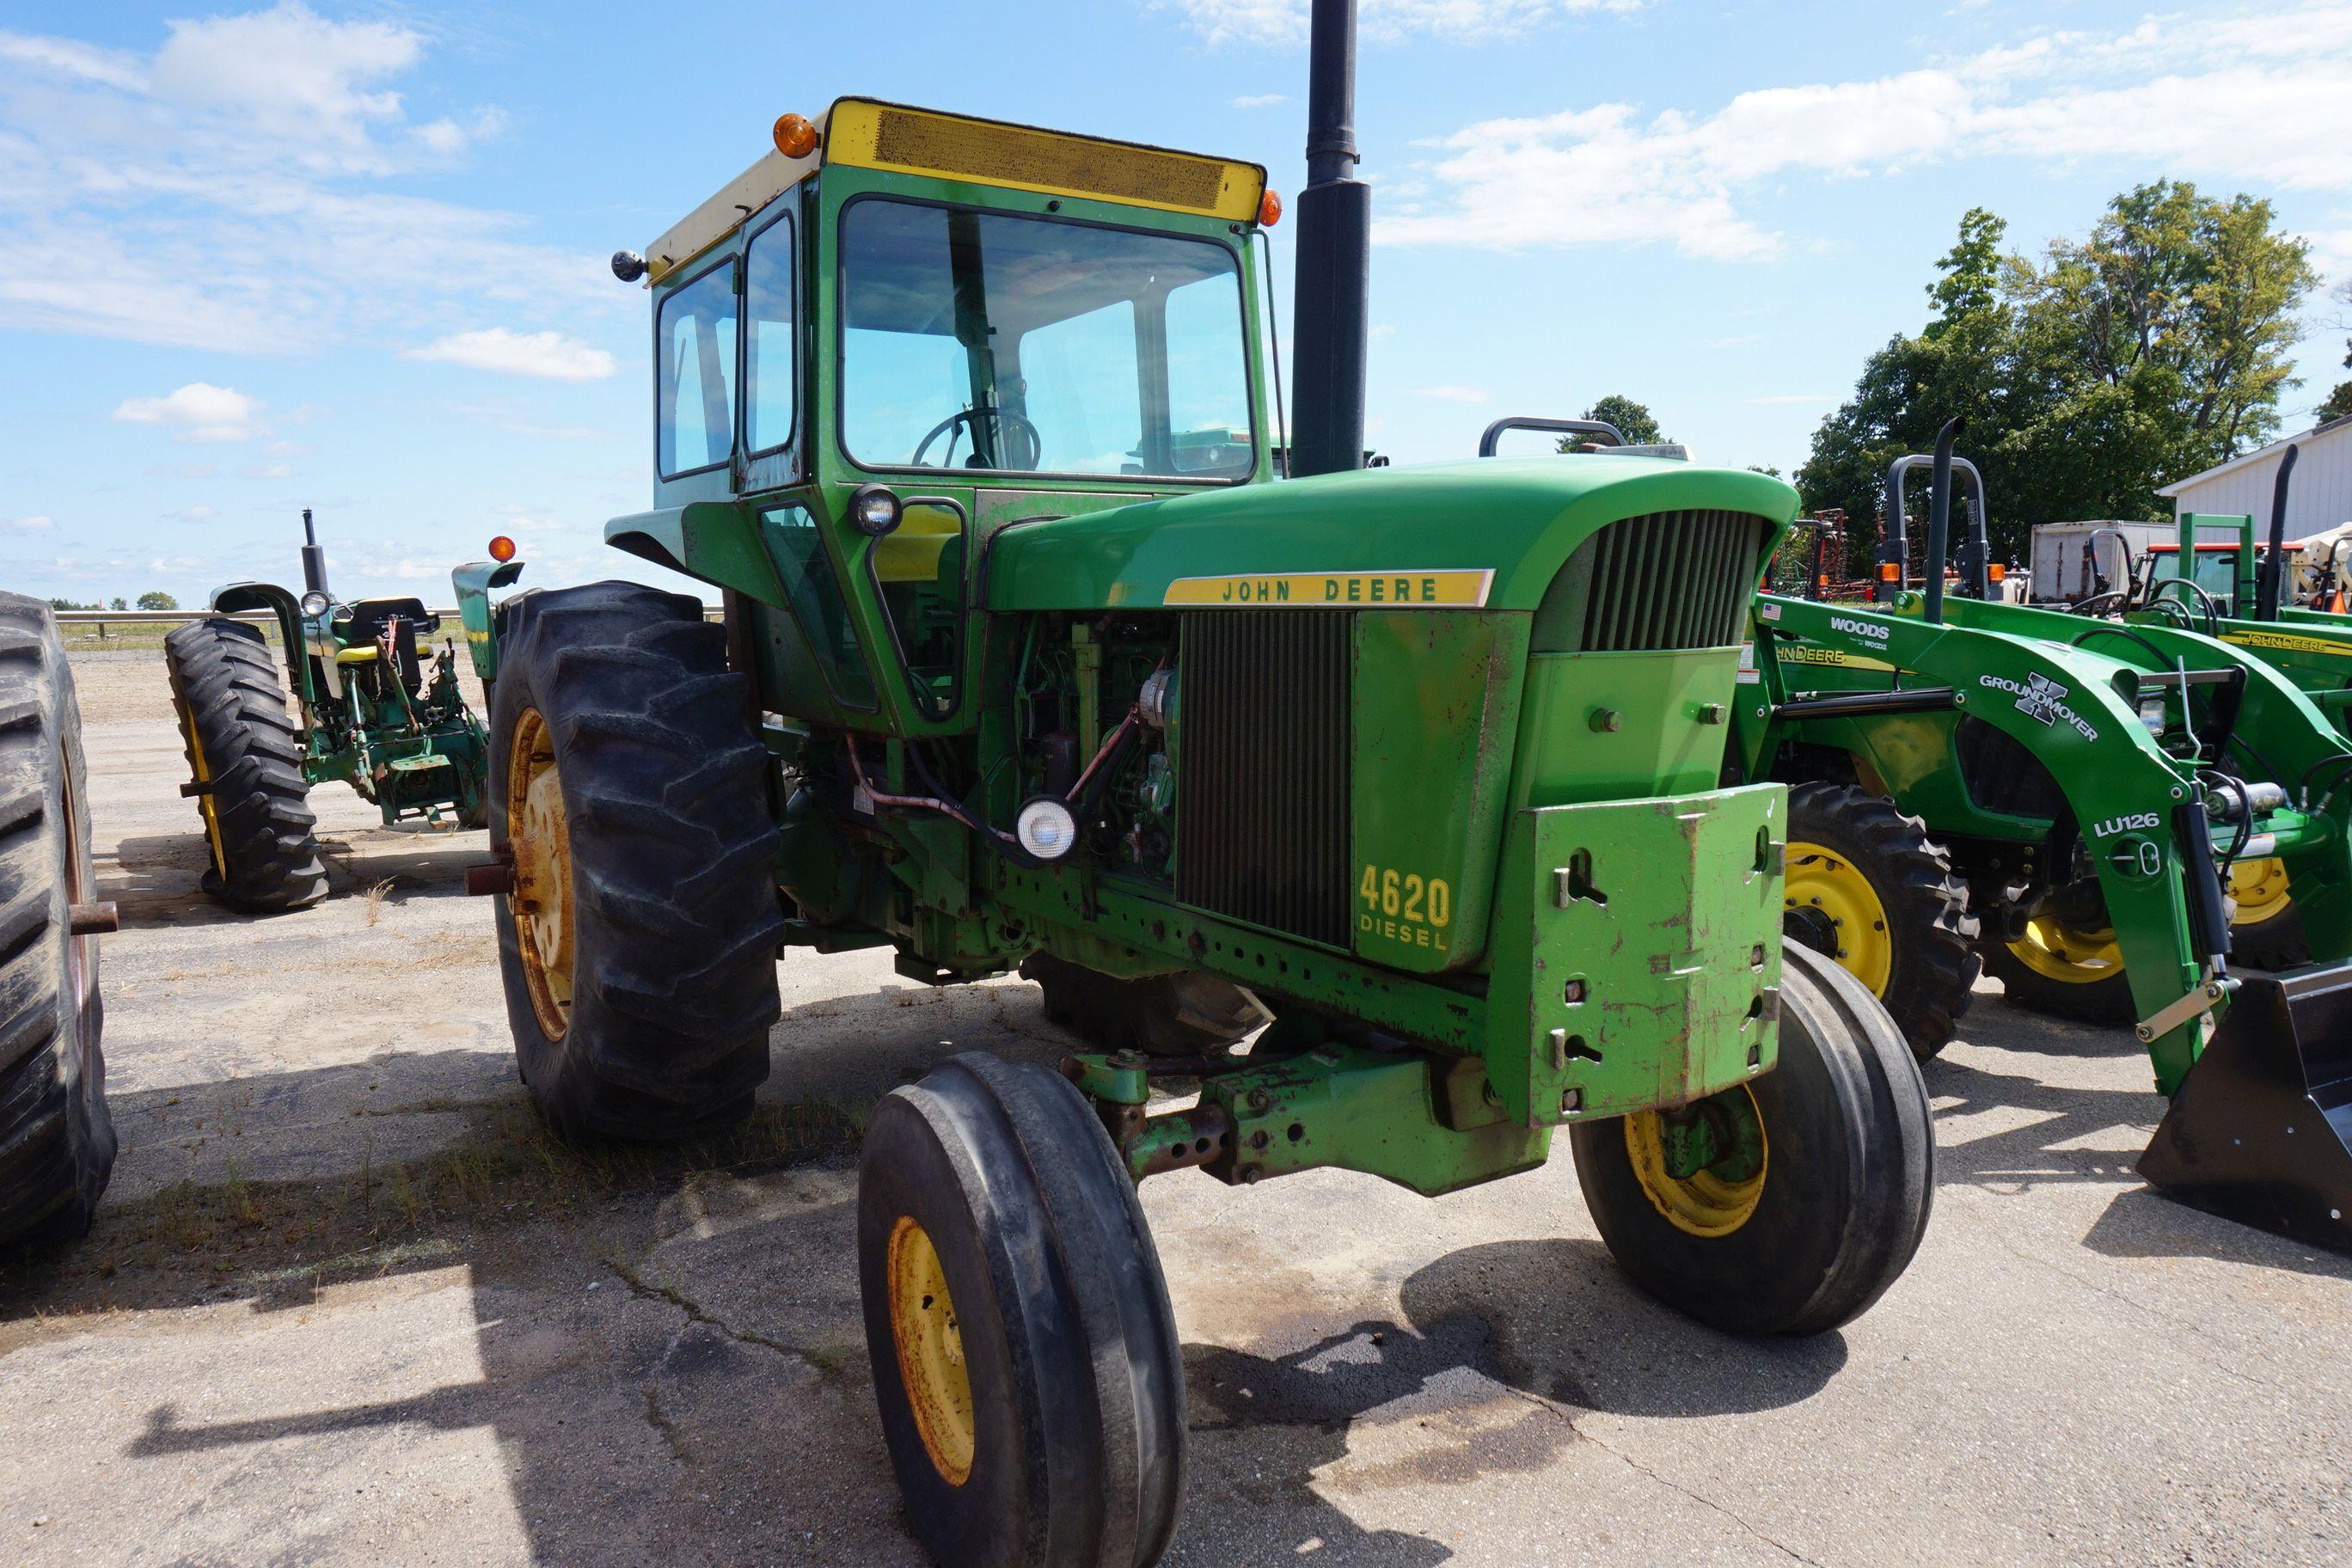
[
  {"x": 1710, "y": 1202},
  {"x": 930, "y": 1350},
  {"x": 1824, "y": 888},
  {"x": 2260, "y": 889},
  {"x": 538, "y": 837},
  {"x": 2071, "y": 957}
]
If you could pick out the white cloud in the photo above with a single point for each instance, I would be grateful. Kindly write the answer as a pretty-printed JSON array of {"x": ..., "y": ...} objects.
[
  {"x": 229, "y": 191},
  {"x": 195, "y": 514},
  {"x": 1285, "y": 21},
  {"x": 549, "y": 354},
  {"x": 28, "y": 524},
  {"x": 2261, "y": 94},
  {"x": 1453, "y": 393},
  {"x": 1261, "y": 99},
  {"x": 198, "y": 411}
]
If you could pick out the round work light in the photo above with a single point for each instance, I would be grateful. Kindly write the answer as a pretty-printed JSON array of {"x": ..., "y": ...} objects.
[{"x": 1046, "y": 828}]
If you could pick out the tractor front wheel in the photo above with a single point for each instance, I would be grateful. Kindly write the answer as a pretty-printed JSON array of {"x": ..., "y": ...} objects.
[
  {"x": 57, "y": 1141},
  {"x": 1786, "y": 1204},
  {"x": 1023, "y": 1351},
  {"x": 1187, "y": 1014},
  {"x": 2064, "y": 970},
  {"x": 627, "y": 793},
  {"x": 245, "y": 754},
  {"x": 1866, "y": 888},
  {"x": 2266, "y": 932}
]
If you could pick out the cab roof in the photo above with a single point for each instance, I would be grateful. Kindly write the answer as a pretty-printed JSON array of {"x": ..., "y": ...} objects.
[{"x": 870, "y": 134}]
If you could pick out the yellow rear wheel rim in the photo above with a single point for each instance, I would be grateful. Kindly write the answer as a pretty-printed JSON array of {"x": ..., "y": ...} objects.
[
  {"x": 1831, "y": 888},
  {"x": 204, "y": 802},
  {"x": 538, "y": 837},
  {"x": 2260, "y": 889},
  {"x": 1702, "y": 1203},
  {"x": 929, "y": 1343},
  {"x": 2071, "y": 957}
]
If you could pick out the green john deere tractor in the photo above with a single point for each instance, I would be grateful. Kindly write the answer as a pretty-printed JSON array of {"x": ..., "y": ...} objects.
[
  {"x": 367, "y": 712},
  {"x": 2068, "y": 793},
  {"x": 57, "y": 1141},
  {"x": 1028, "y": 661}
]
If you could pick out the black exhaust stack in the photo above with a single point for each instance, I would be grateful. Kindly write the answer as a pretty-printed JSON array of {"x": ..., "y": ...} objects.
[
  {"x": 314, "y": 559},
  {"x": 1334, "y": 267},
  {"x": 2274, "y": 570}
]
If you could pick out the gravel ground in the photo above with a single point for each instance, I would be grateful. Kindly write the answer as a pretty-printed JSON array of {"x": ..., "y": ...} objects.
[{"x": 347, "y": 1303}]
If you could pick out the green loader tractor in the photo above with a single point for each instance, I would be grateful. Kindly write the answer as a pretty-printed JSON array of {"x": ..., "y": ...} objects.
[
  {"x": 366, "y": 713},
  {"x": 2078, "y": 790},
  {"x": 56, "y": 1139},
  {"x": 1028, "y": 661}
]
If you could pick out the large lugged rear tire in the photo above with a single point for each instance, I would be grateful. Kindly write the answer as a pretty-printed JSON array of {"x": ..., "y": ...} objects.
[
  {"x": 245, "y": 752},
  {"x": 1866, "y": 888},
  {"x": 1803, "y": 1225},
  {"x": 1187, "y": 1014},
  {"x": 638, "y": 947},
  {"x": 57, "y": 1141},
  {"x": 1024, "y": 1355}
]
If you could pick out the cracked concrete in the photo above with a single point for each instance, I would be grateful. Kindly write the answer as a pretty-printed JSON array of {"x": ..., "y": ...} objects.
[{"x": 348, "y": 1304}]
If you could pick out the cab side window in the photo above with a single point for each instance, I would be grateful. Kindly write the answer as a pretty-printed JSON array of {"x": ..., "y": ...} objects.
[
  {"x": 768, "y": 359},
  {"x": 695, "y": 340}
]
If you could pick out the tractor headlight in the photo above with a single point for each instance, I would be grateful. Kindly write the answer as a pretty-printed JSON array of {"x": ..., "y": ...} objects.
[
  {"x": 1046, "y": 828},
  {"x": 314, "y": 604},
  {"x": 873, "y": 509}
]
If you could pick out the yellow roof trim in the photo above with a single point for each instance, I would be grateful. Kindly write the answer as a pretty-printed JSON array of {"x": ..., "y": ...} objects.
[{"x": 724, "y": 212}]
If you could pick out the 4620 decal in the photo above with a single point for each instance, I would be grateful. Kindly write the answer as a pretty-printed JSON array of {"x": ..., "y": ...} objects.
[{"x": 1403, "y": 906}]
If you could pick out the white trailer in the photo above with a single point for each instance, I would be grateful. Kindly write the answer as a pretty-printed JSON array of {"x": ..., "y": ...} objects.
[{"x": 2062, "y": 574}]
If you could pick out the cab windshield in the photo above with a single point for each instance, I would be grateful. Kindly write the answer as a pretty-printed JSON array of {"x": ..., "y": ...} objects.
[{"x": 994, "y": 340}]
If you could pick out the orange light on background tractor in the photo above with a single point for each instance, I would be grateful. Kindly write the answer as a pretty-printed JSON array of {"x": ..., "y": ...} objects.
[
  {"x": 502, "y": 549},
  {"x": 795, "y": 137},
  {"x": 1997, "y": 572},
  {"x": 1888, "y": 571},
  {"x": 1269, "y": 208}
]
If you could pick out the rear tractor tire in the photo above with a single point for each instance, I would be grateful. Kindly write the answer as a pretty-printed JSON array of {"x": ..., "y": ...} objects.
[
  {"x": 1821, "y": 1180},
  {"x": 1866, "y": 888},
  {"x": 1186, "y": 1014},
  {"x": 244, "y": 753},
  {"x": 57, "y": 1141},
  {"x": 627, "y": 791},
  {"x": 1024, "y": 1355}
]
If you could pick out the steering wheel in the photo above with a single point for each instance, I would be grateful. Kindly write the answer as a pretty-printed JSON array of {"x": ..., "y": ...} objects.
[
  {"x": 1003, "y": 417},
  {"x": 2206, "y": 607}
]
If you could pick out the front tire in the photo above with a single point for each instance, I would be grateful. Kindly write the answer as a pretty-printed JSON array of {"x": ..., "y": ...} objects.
[
  {"x": 627, "y": 789},
  {"x": 245, "y": 754},
  {"x": 1866, "y": 888},
  {"x": 57, "y": 1141},
  {"x": 1024, "y": 1354},
  {"x": 1820, "y": 1191},
  {"x": 2062, "y": 973},
  {"x": 2267, "y": 933}
]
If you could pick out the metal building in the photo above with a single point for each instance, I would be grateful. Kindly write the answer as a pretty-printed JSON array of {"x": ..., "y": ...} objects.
[{"x": 2319, "y": 499}]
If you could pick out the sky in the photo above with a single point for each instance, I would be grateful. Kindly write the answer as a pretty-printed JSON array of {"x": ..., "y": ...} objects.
[{"x": 354, "y": 257}]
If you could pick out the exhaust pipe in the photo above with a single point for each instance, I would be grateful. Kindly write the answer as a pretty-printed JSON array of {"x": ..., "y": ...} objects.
[
  {"x": 314, "y": 559},
  {"x": 1939, "y": 514},
  {"x": 1332, "y": 300},
  {"x": 2273, "y": 572}
]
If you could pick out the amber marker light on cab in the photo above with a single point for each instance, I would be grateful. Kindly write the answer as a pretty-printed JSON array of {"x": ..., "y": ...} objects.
[
  {"x": 502, "y": 549},
  {"x": 795, "y": 137},
  {"x": 1269, "y": 208}
]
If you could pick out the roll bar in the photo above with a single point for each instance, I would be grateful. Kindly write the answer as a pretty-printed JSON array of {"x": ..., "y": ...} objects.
[{"x": 1894, "y": 542}]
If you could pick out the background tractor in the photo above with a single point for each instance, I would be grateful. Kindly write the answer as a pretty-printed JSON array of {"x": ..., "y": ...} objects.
[
  {"x": 57, "y": 1141},
  {"x": 367, "y": 712},
  {"x": 2072, "y": 794},
  {"x": 1029, "y": 661}
]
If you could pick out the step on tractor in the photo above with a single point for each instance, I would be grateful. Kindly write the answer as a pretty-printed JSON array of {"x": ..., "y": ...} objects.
[
  {"x": 369, "y": 710},
  {"x": 2067, "y": 797},
  {"x": 56, "y": 1140},
  {"x": 1406, "y": 777}
]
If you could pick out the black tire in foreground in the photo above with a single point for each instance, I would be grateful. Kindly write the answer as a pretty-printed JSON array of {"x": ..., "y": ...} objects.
[
  {"x": 57, "y": 1141},
  {"x": 245, "y": 756},
  {"x": 627, "y": 787},
  {"x": 1908, "y": 936},
  {"x": 1823, "y": 1178},
  {"x": 1023, "y": 1350},
  {"x": 1183, "y": 1014}
]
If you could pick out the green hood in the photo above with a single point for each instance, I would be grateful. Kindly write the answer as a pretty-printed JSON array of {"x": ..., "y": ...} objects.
[{"x": 1517, "y": 519}]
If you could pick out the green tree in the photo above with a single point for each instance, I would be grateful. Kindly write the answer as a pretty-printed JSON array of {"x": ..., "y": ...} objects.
[
  {"x": 69, "y": 605},
  {"x": 1633, "y": 421},
  {"x": 118, "y": 604},
  {"x": 156, "y": 599},
  {"x": 1970, "y": 284}
]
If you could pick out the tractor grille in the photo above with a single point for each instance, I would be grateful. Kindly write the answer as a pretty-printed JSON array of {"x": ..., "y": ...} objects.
[
  {"x": 1669, "y": 580},
  {"x": 1262, "y": 802}
]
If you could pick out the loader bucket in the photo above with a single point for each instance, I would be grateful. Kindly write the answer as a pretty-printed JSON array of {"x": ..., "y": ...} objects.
[{"x": 2260, "y": 1131}]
